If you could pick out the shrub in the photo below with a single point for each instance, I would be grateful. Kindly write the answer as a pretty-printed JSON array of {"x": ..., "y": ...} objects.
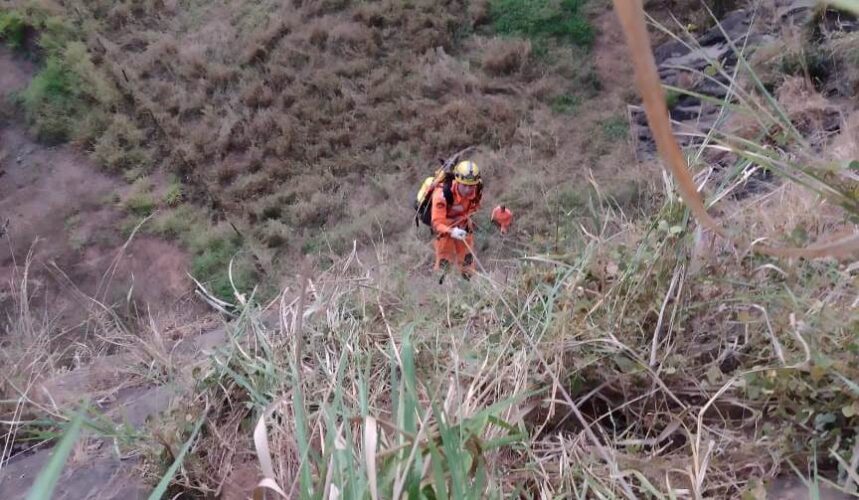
[
  {"x": 273, "y": 233},
  {"x": 68, "y": 88},
  {"x": 13, "y": 29},
  {"x": 615, "y": 128},
  {"x": 140, "y": 204},
  {"x": 50, "y": 100},
  {"x": 212, "y": 260},
  {"x": 178, "y": 223},
  {"x": 565, "y": 103},
  {"x": 120, "y": 147},
  {"x": 211, "y": 247},
  {"x": 504, "y": 57},
  {"x": 537, "y": 19},
  {"x": 173, "y": 195}
]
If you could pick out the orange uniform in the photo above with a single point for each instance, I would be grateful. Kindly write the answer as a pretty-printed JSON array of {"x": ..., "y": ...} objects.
[
  {"x": 502, "y": 217},
  {"x": 445, "y": 217}
]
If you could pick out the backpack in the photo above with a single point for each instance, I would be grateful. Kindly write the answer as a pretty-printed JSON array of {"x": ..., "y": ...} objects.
[{"x": 423, "y": 200}]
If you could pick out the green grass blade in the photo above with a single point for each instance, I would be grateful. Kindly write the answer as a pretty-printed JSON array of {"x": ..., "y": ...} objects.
[
  {"x": 44, "y": 487},
  {"x": 161, "y": 489},
  {"x": 302, "y": 436},
  {"x": 438, "y": 472}
]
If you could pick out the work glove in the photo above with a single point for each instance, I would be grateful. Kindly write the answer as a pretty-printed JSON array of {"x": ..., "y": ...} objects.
[{"x": 458, "y": 234}]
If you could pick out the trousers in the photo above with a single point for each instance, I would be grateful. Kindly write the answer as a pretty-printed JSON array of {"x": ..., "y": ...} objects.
[{"x": 449, "y": 251}]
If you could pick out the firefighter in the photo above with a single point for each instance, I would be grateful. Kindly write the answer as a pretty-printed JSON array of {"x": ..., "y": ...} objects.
[{"x": 452, "y": 208}]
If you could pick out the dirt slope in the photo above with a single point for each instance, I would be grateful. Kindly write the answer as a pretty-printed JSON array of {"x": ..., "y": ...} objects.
[{"x": 64, "y": 208}]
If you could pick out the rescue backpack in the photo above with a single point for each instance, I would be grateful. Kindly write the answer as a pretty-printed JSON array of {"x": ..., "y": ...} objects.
[{"x": 423, "y": 201}]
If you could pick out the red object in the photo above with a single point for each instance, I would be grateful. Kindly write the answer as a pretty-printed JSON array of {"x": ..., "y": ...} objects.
[{"x": 502, "y": 217}]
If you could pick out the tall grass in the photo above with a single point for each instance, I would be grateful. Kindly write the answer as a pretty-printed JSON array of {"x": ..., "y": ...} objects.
[
  {"x": 693, "y": 367},
  {"x": 647, "y": 358},
  {"x": 356, "y": 414}
]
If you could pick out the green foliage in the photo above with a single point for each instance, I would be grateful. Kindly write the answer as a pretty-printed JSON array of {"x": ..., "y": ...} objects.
[
  {"x": 13, "y": 28},
  {"x": 51, "y": 100},
  {"x": 161, "y": 489},
  {"x": 615, "y": 128},
  {"x": 812, "y": 61},
  {"x": 47, "y": 480},
  {"x": 565, "y": 103},
  {"x": 212, "y": 256},
  {"x": 173, "y": 195},
  {"x": 538, "y": 19},
  {"x": 211, "y": 247},
  {"x": 672, "y": 97},
  {"x": 460, "y": 444},
  {"x": 141, "y": 202},
  {"x": 178, "y": 224},
  {"x": 121, "y": 146},
  {"x": 63, "y": 99}
]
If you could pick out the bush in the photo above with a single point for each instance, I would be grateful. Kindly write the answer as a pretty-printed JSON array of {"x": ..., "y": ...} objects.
[
  {"x": 141, "y": 204},
  {"x": 543, "y": 19},
  {"x": 505, "y": 57},
  {"x": 177, "y": 224},
  {"x": 13, "y": 29},
  {"x": 616, "y": 128},
  {"x": 565, "y": 103},
  {"x": 212, "y": 249},
  {"x": 173, "y": 196},
  {"x": 120, "y": 147},
  {"x": 212, "y": 260},
  {"x": 69, "y": 88},
  {"x": 50, "y": 100}
]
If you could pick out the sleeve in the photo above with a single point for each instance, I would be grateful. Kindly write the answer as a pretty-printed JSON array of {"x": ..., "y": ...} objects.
[{"x": 440, "y": 221}]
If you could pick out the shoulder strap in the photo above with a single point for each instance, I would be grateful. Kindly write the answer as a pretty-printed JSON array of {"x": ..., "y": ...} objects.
[{"x": 447, "y": 190}]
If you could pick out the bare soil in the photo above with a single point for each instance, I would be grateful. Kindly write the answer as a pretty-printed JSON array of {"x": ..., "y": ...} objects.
[{"x": 64, "y": 210}]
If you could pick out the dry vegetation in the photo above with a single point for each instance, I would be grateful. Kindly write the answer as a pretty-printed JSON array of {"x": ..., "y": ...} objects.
[
  {"x": 284, "y": 120},
  {"x": 625, "y": 353}
]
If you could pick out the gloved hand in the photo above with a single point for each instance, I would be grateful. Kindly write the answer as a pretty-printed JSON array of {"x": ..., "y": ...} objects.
[{"x": 458, "y": 234}]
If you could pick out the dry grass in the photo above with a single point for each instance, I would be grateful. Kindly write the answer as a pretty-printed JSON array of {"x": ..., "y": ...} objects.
[
  {"x": 690, "y": 380},
  {"x": 638, "y": 358},
  {"x": 330, "y": 89}
]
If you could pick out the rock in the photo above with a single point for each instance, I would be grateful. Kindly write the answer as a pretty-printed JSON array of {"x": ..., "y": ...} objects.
[
  {"x": 683, "y": 113},
  {"x": 699, "y": 59},
  {"x": 711, "y": 88},
  {"x": 667, "y": 50},
  {"x": 837, "y": 21},
  {"x": 735, "y": 25}
]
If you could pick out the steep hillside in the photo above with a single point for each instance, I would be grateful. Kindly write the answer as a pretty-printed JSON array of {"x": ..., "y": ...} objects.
[
  {"x": 308, "y": 125},
  {"x": 613, "y": 346}
]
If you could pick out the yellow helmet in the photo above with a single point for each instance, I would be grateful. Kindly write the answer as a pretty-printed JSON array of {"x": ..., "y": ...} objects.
[{"x": 466, "y": 172}]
